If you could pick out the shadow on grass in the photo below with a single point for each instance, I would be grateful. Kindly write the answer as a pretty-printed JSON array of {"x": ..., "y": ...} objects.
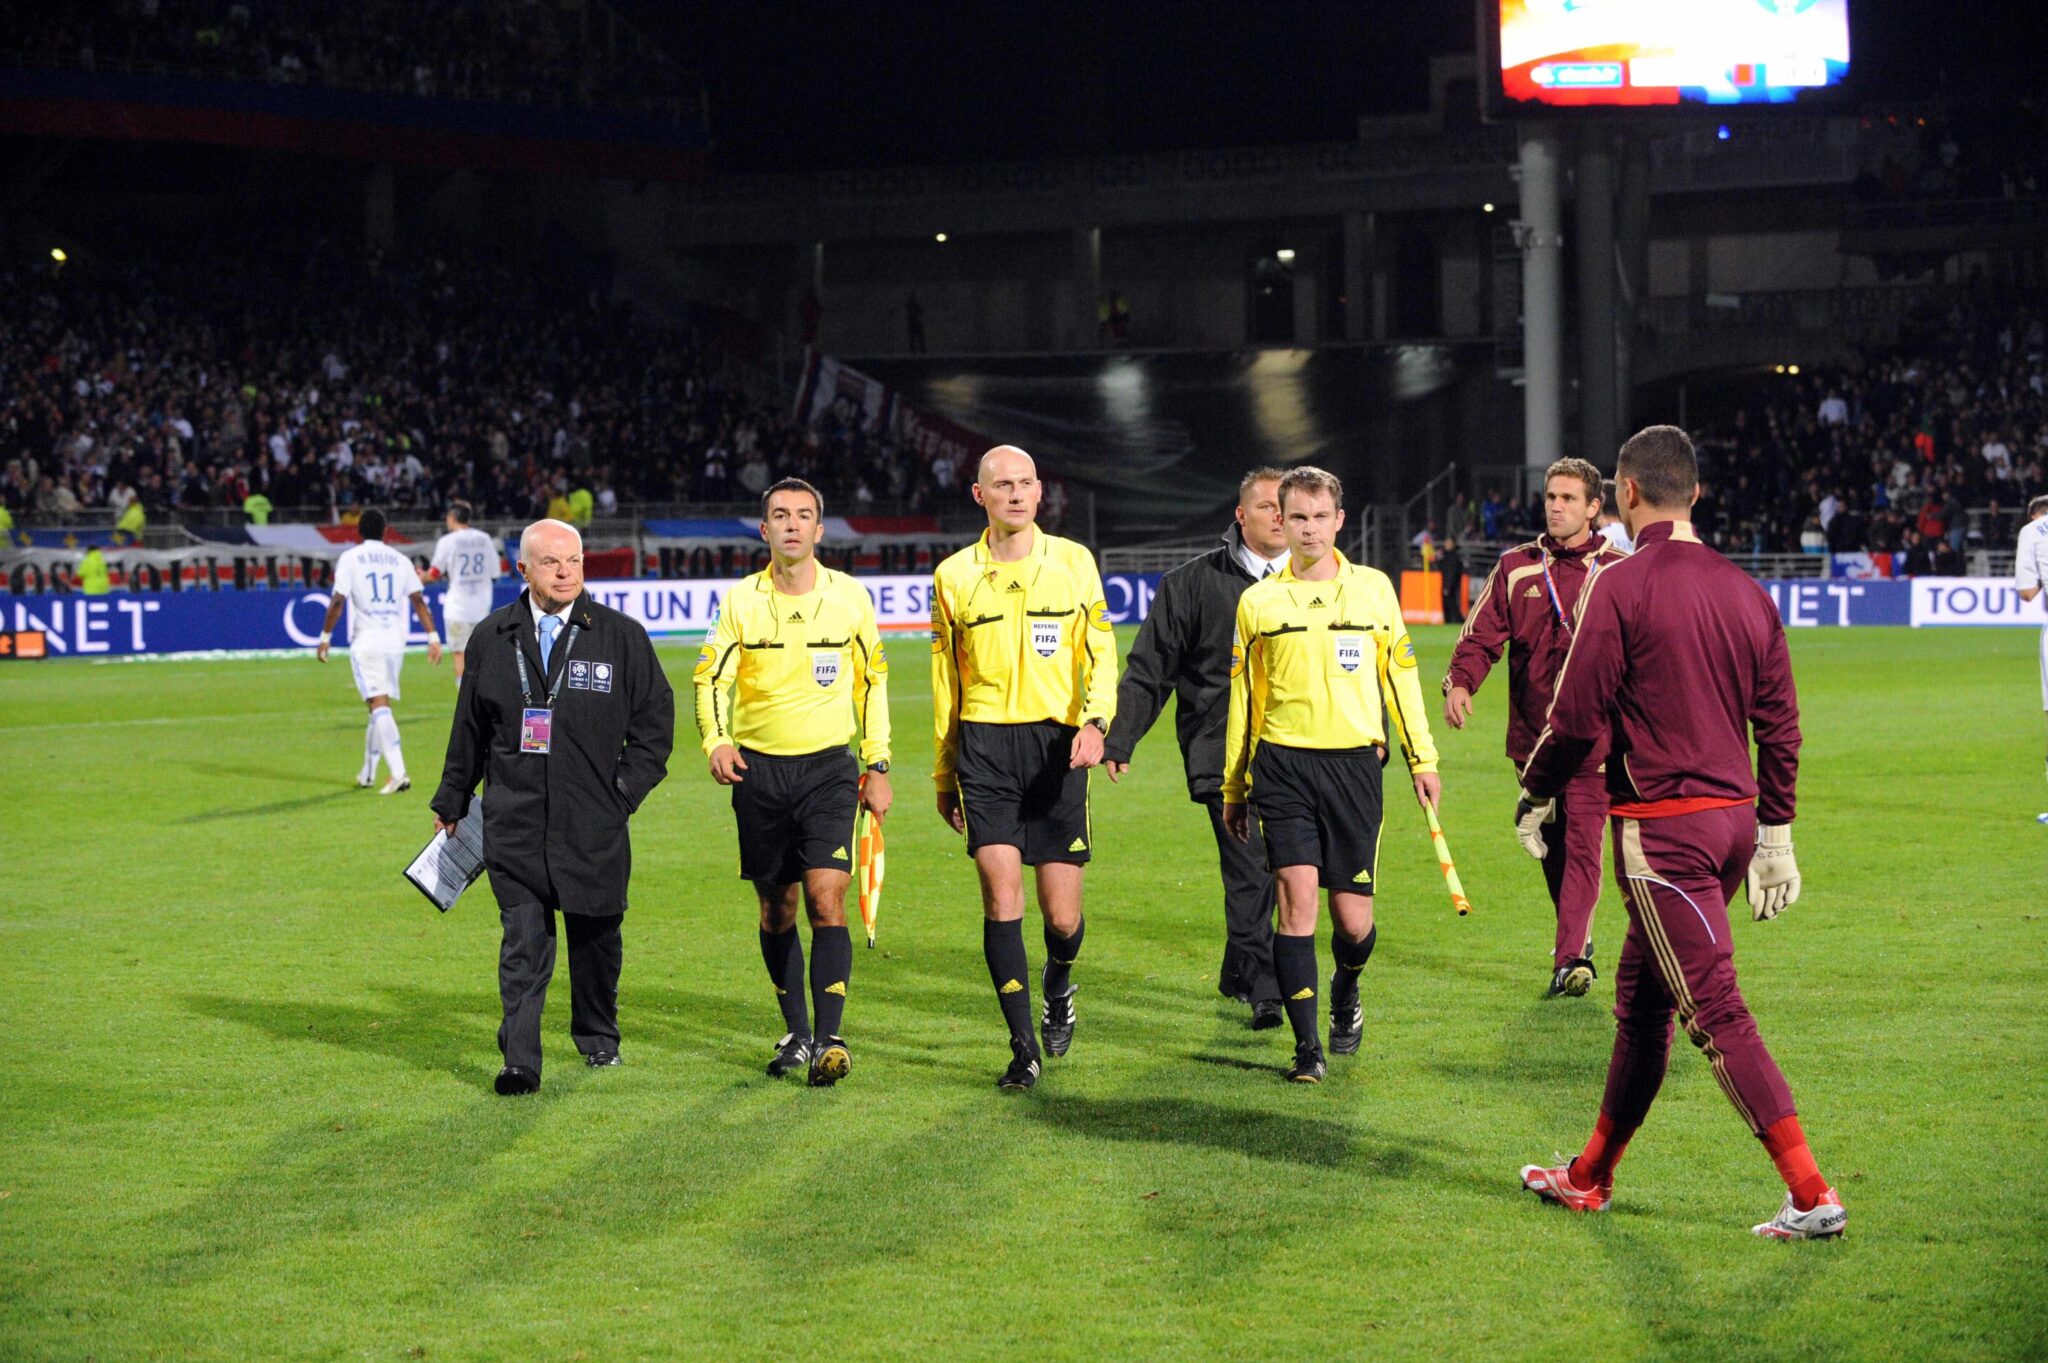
[
  {"x": 274, "y": 807},
  {"x": 442, "y": 1033},
  {"x": 1182, "y": 1121}
]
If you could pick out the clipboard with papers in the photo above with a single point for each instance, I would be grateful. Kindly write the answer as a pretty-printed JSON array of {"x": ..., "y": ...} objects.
[{"x": 450, "y": 863}]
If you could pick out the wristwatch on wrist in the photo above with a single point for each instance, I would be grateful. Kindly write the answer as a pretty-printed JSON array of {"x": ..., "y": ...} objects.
[
  {"x": 1101, "y": 724},
  {"x": 879, "y": 768}
]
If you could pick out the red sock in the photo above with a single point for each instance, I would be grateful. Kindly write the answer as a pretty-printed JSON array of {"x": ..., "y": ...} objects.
[
  {"x": 1594, "y": 1167},
  {"x": 1787, "y": 1145}
]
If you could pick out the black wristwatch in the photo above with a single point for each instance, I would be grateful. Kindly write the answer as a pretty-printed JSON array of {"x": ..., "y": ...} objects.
[
  {"x": 879, "y": 768},
  {"x": 1100, "y": 724}
]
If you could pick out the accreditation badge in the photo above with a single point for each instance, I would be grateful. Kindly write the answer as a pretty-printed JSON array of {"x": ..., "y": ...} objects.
[
  {"x": 536, "y": 729},
  {"x": 1045, "y": 637},
  {"x": 825, "y": 667},
  {"x": 1350, "y": 651}
]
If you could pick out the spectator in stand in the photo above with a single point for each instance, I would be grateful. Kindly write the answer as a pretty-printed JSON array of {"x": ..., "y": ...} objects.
[
  {"x": 1833, "y": 410},
  {"x": 1916, "y": 560}
]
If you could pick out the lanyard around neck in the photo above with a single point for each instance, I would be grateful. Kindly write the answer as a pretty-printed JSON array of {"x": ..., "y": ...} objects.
[
  {"x": 526, "y": 677},
  {"x": 1557, "y": 604}
]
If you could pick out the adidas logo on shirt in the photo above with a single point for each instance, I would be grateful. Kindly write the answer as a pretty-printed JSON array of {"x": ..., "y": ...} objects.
[
  {"x": 1014, "y": 587},
  {"x": 1316, "y": 602}
]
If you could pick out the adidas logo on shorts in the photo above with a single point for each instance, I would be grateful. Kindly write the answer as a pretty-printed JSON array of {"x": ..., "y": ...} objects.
[
  {"x": 1362, "y": 878},
  {"x": 1077, "y": 845},
  {"x": 839, "y": 855}
]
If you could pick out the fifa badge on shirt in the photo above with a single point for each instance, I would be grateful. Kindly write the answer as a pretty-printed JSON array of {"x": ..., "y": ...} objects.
[
  {"x": 579, "y": 675},
  {"x": 825, "y": 667},
  {"x": 601, "y": 677},
  {"x": 536, "y": 729},
  {"x": 1350, "y": 651},
  {"x": 1045, "y": 637}
]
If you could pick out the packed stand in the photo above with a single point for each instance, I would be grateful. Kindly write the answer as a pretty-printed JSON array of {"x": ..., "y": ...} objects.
[
  {"x": 447, "y": 49},
  {"x": 327, "y": 383},
  {"x": 1891, "y": 456}
]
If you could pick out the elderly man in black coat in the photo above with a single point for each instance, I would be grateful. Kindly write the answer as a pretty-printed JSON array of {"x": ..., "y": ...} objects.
[{"x": 567, "y": 717}]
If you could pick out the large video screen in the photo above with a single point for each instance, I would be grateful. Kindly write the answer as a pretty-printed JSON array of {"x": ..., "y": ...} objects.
[{"x": 1648, "y": 54}]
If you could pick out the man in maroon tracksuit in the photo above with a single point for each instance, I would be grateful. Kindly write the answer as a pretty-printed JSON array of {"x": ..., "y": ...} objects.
[
  {"x": 1678, "y": 659},
  {"x": 1528, "y": 606}
]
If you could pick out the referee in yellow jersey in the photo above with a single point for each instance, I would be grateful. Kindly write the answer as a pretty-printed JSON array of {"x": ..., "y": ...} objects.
[
  {"x": 792, "y": 670},
  {"x": 1321, "y": 662},
  {"x": 1023, "y": 689}
]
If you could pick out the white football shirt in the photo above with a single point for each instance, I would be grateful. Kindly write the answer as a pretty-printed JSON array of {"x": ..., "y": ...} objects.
[
  {"x": 470, "y": 560},
  {"x": 379, "y": 583},
  {"x": 2030, "y": 555}
]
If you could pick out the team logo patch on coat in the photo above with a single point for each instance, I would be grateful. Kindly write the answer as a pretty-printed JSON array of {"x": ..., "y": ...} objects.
[
  {"x": 1098, "y": 615},
  {"x": 825, "y": 667},
  {"x": 601, "y": 676},
  {"x": 1045, "y": 637},
  {"x": 1350, "y": 651},
  {"x": 706, "y": 656},
  {"x": 1404, "y": 652},
  {"x": 878, "y": 661},
  {"x": 579, "y": 675}
]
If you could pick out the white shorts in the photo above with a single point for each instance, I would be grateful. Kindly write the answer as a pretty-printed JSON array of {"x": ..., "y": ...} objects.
[
  {"x": 458, "y": 633},
  {"x": 376, "y": 673}
]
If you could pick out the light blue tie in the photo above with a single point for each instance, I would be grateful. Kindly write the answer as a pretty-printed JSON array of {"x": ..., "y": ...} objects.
[{"x": 548, "y": 625}]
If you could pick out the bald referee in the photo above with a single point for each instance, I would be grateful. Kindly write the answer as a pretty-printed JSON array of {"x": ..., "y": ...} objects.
[
  {"x": 1678, "y": 659},
  {"x": 1321, "y": 664},
  {"x": 797, "y": 647},
  {"x": 1023, "y": 689}
]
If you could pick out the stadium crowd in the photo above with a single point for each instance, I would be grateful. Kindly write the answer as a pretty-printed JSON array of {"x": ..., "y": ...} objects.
[
  {"x": 451, "y": 49},
  {"x": 326, "y": 382}
]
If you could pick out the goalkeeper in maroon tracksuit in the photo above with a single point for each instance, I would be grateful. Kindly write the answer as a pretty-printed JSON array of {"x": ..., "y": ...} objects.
[
  {"x": 1679, "y": 657},
  {"x": 1529, "y": 607}
]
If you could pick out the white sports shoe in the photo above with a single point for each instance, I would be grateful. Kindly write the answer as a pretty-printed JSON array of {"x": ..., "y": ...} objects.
[
  {"x": 1824, "y": 1222},
  {"x": 396, "y": 784}
]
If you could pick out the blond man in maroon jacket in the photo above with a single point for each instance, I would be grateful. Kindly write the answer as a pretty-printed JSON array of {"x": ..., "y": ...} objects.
[
  {"x": 1678, "y": 662},
  {"x": 1529, "y": 607}
]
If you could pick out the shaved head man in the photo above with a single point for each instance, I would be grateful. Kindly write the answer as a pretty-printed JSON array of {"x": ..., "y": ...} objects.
[{"x": 1023, "y": 689}]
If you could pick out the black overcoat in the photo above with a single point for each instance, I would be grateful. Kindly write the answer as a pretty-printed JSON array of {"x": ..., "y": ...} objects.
[{"x": 555, "y": 823}]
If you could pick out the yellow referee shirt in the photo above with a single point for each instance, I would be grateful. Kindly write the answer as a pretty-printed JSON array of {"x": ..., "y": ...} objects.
[
  {"x": 1320, "y": 665},
  {"x": 1017, "y": 643},
  {"x": 806, "y": 672}
]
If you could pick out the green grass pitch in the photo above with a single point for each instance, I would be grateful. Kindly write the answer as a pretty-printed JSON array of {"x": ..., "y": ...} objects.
[{"x": 245, "y": 1107}]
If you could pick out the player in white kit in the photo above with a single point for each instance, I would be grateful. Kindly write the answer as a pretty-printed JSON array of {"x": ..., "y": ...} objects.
[
  {"x": 2030, "y": 570},
  {"x": 377, "y": 583},
  {"x": 469, "y": 559}
]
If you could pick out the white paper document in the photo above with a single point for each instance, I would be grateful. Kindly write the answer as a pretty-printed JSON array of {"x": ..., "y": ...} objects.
[{"x": 448, "y": 865}]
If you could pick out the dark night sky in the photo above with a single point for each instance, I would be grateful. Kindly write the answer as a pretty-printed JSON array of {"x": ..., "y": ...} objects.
[{"x": 890, "y": 82}]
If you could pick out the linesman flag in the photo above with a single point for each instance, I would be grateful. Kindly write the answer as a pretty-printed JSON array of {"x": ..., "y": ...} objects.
[
  {"x": 1446, "y": 865},
  {"x": 868, "y": 869}
]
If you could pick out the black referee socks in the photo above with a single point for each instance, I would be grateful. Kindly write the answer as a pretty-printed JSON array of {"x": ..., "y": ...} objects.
[
  {"x": 831, "y": 967},
  {"x": 1351, "y": 958},
  {"x": 783, "y": 954},
  {"x": 1009, "y": 972},
  {"x": 1060, "y": 955},
  {"x": 1294, "y": 963}
]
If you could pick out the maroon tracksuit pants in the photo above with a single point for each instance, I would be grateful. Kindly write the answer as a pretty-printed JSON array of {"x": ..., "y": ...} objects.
[
  {"x": 1677, "y": 875},
  {"x": 1571, "y": 868}
]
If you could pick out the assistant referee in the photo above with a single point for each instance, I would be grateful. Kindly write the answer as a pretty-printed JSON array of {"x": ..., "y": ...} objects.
[
  {"x": 1023, "y": 689},
  {"x": 798, "y": 645},
  {"x": 1321, "y": 662}
]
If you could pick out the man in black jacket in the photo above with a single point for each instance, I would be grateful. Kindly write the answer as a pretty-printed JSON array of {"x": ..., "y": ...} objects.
[
  {"x": 1183, "y": 648},
  {"x": 567, "y": 716}
]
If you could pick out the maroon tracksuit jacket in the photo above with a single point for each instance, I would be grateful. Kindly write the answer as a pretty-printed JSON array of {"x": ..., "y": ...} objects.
[
  {"x": 1517, "y": 611},
  {"x": 1527, "y": 607},
  {"x": 1679, "y": 657}
]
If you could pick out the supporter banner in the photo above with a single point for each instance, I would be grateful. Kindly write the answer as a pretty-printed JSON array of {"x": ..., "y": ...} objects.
[
  {"x": 1864, "y": 566},
  {"x": 826, "y": 381}
]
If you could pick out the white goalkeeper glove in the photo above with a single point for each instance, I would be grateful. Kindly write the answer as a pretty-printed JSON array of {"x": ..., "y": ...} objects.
[
  {"x": 1773, "y": 874},
  {"x": 1530, "y": 816}
]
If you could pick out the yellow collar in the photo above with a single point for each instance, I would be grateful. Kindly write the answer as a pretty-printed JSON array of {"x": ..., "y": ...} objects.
[
  {"x": 1343, "y": 567},
  {"x": 1035, "y": 554}
]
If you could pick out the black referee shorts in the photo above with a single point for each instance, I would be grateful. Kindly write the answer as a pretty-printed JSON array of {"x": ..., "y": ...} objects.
[
  {"x": 1017, "y": 790},
  {"x": 1320, "y": 808},
  {"x": 796, "y": 814}
]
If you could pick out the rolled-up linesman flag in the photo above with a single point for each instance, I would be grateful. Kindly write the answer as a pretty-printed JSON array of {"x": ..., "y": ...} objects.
[
  {"x": 1449, "y": 867},
  {"x": 868, "y": 868}
]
